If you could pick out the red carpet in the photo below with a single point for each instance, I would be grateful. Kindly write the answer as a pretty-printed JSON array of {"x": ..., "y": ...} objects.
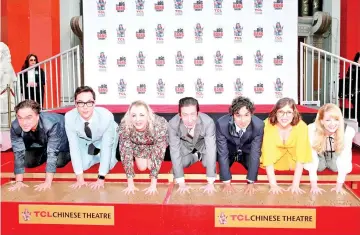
[
  {"x": 7, "y": 165},
  {"x": 203, "y": 108}
]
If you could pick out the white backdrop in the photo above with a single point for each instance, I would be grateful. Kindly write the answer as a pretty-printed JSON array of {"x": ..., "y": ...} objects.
[{"x": 113, "y": 34}]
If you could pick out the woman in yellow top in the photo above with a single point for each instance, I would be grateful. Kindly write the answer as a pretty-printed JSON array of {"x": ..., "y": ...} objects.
[{"x": 286, "y": 144}]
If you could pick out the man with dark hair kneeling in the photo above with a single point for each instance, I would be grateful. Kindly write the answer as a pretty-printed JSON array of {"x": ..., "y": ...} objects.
[
  {"x": 192, "y": 139},
  {"x": 38, "y": 137},
  {"x": 239, "y": 137}
]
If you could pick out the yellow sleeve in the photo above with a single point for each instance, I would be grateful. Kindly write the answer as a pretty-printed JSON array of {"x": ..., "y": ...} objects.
[
  {"x": 303, "y": 146},
  {"x": 268, "y": 149}
]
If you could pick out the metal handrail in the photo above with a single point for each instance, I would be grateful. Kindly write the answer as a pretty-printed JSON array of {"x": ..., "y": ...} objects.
[
  {"x": 60, "y": 78},
  {"x": 327, "y": 84}
]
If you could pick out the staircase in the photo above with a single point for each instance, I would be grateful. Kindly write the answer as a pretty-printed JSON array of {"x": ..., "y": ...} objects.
[{"x": 324, "y": 79}]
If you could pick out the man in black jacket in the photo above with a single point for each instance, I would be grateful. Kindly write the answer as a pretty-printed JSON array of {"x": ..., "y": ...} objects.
[
  {"x": 38, "y": 137},
  {"x": 239, "y": 137}
]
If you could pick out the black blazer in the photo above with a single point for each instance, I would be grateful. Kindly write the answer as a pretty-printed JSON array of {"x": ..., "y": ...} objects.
[
  {"x": 37, "y": 89},
  {"x": 228, "y": 145}
]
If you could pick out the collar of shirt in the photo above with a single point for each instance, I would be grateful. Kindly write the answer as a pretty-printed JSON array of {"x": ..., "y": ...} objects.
[
  {"x": 238, "y": 129},
  {"x": 83, "y": 120},
  {"x": 189, "y": 129}
]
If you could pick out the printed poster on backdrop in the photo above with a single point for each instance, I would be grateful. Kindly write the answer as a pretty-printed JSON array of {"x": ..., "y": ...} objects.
[{"x": 161, "y": 51}]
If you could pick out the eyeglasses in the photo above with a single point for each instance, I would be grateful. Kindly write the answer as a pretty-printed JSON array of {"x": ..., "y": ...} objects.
[
  {"x": 88, "y": 104},
  {"x": 287, "y": 113}
]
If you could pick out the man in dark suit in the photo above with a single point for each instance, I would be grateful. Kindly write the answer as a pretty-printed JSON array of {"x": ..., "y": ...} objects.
[
  {"x": 37, "y": 137},
  {"x": 239, "y": 137}
]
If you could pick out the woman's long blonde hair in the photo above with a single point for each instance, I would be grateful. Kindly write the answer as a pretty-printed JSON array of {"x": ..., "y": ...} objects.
[
  {"x": 320, "y": 138},
  {"x": 127, "y": 118}
]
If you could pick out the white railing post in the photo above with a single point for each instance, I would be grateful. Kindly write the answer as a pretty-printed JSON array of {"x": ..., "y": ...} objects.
[
  {"x": 301, "y": 72},
  {"x": 78, "y": 65}
]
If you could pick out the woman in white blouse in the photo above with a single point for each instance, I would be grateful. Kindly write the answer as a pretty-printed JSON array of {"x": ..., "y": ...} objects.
[{"x": 331, "y": 141}]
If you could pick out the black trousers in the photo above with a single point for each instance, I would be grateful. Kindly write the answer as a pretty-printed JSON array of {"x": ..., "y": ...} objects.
[
  {"x": 243, "y": 159},
  {"x": 117, "y": 153},
  {"x": 35, "y": 157}
]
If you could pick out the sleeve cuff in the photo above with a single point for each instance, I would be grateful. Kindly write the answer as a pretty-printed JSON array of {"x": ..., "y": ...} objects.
[
  {"x": 19, "y": 171},
  {"x": 50, "y": 170},
  {"x": 78, "y": 172},
  {"x": 227, "y": 181},
  {"x": 180, "y": 180},
  {"x": 211, "y": 180},
  {"x": 103, "y": 173}
]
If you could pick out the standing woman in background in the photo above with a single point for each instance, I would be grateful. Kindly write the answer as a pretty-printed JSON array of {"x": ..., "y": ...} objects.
[{"x": 33, "y": 79}]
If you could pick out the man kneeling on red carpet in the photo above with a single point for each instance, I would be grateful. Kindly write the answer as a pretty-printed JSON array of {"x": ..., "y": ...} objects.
[
  {"x": 192, "y": 139},
  {"x": 93, "y": 137},
  {"x": 239, "y": 138},
  {"x": 38, "y": 137}
]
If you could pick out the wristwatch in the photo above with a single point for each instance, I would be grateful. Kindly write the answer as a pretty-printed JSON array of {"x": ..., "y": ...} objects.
[{"x": 101, "y": 177}]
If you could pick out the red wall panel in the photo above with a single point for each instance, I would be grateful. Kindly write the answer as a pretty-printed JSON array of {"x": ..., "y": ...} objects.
[
  {"x": 30, "y": 28},
  {"x": 349, "y": 28}
]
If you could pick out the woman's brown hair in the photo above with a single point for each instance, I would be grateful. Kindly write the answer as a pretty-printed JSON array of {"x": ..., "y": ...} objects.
[{"x": 281, "y": 103}]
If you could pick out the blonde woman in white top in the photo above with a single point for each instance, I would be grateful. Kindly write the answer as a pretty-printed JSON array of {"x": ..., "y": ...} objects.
[{"x": 331, "y": 141}]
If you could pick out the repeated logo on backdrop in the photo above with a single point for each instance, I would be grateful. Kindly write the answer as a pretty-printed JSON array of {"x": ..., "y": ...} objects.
[
  {"x": 101, "y": 7},
  {"x": 198, "y": 5},
  {"x": 178, "y": 7},
  {"x": 278, "y": 87},
  {"x": 121, "y": 62},
  {"x": 238, "y": 87},
  {"x": 122, "y": 88},
  {"x": 159, "y": 34},
  {"x": 238, "y": 29},
  {"x": 140, "y": 5},
  {"x": 102, "y": 89},
  {"x": 237, "y": 5},
  {"x": 101, "y": 35},
  {"x": 159, "y": 6},
  {"x": 278, "y": 4},
  {"x": 102, "y": 58},
  {"x": 180, "y": 88},
  {"x": 120, "y": 32},
  {"x": 219, "y": 88},
  {"x": 160, "y": 49},
  {"x": 120, "y": 7},
  {"x": 199, "y": 88},
  {"x": 160, "y": 88},
  {"x": 179, "y": 61}
]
